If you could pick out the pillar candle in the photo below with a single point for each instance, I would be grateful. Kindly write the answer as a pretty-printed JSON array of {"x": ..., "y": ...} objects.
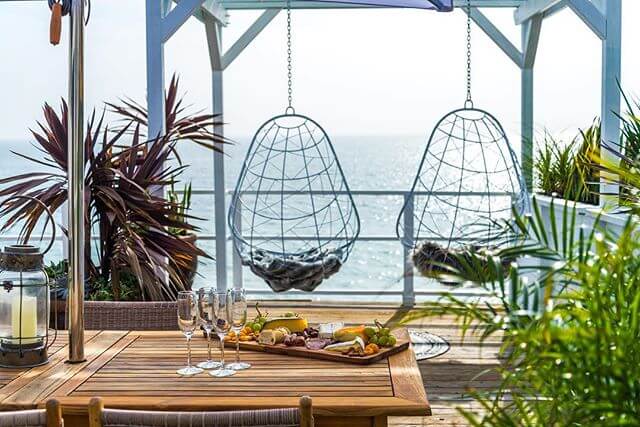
[{"x": 29, "y": 319}]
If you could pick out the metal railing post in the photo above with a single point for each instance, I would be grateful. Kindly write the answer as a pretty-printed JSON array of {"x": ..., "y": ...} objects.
[
  {"x": 408, "y": 294},
  {"x": 237, "y": 261}
]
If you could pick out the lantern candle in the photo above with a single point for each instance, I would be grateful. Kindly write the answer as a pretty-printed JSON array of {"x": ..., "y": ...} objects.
[{"x": 24, "y": 323}]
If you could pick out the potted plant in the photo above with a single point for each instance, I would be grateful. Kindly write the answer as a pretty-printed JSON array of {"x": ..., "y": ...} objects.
[{"x": 126, "y": 172}]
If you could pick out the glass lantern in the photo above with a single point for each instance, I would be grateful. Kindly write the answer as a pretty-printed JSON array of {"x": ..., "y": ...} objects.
[{"x": 24, "y": 306}]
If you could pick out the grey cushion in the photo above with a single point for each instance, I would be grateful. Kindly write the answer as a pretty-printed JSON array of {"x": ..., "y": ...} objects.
[
  {"x": 32, "y": 418},
  {"x": 262, "y": 418}
]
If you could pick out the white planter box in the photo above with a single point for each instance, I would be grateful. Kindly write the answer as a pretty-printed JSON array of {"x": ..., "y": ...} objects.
[{"x": 590, "y": 215}]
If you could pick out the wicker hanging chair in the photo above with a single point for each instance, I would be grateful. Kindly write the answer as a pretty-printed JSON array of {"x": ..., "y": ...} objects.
[
  {"x": 469, "y": 178},
  {"x": 468, "y": 181},
  {"x": 292, "y": 216}
]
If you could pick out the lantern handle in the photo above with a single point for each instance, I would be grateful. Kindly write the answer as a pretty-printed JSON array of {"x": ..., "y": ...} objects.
[{"x": 47, "y": 211}]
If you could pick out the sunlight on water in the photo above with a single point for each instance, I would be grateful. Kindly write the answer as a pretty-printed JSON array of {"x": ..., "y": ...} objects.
[{"x": 369, "y": 163}]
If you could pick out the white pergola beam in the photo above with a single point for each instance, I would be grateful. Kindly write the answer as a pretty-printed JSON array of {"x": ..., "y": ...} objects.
[
  {"x": 178, "y": 16},
  {"x": 531, "y": 37},
  {"x": 530, "y": 8},
  {"x": 281, "y": 4},
  {"x": 248, "y": 36},
  {"x": 555, "y": 8},
  {"x": 591, "y": 16},
  {"x": 210, "y": 8},
  {"x": 215, "y": 10},
  {"x": 497, "y": 36},
  {"x": 214, "y": 43}
]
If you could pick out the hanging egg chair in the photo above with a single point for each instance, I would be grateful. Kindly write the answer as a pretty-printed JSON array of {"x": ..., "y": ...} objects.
[
  {"x": 292, "y": 215},
  {"x": 468, "y": 180}
]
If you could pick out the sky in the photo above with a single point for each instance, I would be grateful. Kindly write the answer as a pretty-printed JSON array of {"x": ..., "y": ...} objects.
[{"x": 357, "y": 72}]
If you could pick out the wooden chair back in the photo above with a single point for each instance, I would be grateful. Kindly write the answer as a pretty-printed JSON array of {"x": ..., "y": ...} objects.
[
  {"x": 285, "y": 417},
  {"x": 49, "y": 417}
]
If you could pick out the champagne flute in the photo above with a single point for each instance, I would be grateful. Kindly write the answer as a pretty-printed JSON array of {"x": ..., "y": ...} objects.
[
  {"x": 187, "y": 322},
  {"x": 237, "y": 314},
  {"x": 222, "y": 326},
  {"x": 205, "y": 313}
]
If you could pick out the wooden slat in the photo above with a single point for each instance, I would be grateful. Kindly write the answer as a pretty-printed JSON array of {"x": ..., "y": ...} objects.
[
  {"x": 42, "y": 383},
  {"x": 92, "y": 367},
  {"x": 18, "y": 378},
  {"x": 406, "y": 378},
  {"x": 146, "y": 367}
]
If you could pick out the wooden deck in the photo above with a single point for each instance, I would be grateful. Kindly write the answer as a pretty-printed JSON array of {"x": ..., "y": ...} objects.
[{"x": 117, "y": 359}]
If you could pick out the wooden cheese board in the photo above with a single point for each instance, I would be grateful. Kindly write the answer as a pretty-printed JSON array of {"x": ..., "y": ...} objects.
[{"x": 402, "y": 344}]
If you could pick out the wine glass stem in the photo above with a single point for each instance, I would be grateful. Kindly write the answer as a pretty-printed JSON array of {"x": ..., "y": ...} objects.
[
  {"x": 188, "y": 350},
  {"x": 237, "y": 348},
  {"x": 222, "y": 350},
  {"x": 208, "y": 344}
]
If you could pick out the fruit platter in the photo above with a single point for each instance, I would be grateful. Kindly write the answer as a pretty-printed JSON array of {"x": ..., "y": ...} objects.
[{"x": 291, "y": 334}]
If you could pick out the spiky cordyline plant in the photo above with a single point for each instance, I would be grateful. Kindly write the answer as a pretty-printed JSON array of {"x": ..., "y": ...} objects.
[{"x": 124, "y": 177}]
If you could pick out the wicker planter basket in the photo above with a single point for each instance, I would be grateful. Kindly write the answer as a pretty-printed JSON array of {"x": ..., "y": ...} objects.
[{"x": 120, "y": 315}]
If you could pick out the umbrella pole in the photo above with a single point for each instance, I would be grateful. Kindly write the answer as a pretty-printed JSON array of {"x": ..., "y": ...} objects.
[{"x": 76, "y": 202}]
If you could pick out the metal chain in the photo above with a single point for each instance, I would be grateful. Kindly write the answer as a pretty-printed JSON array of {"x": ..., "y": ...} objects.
[
  {"x": 289, "y": 64},
  {"x": 468, "y": 102}
]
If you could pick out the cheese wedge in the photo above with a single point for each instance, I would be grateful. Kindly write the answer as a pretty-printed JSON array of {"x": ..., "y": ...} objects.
[
  {"x": 350, "y": 347},
  {"x": 294, "y": 324},
  {"x": 326, "y": 330}
]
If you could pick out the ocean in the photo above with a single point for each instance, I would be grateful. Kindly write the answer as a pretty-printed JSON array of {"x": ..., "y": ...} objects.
[{"x": 369, "y": 163}]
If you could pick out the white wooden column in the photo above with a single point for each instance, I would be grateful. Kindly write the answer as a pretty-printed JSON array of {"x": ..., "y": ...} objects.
[
  {"x": 611, "y": 76},
  {"x": 526, "y": 125},
  {"x": 530, "y": 36},
  {"x": 155, "y": 13},
  {"x": 214, "y": 42}
]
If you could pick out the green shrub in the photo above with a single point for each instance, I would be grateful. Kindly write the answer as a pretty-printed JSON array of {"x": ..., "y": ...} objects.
[
  {"x": 566, "y": 169},
  {"x": 571, "y": 336}
]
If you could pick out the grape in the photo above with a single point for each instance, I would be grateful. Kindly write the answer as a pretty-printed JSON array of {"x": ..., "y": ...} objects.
[
  {"x": 383, "y": 341},
  {"x": 391, "y": 341},
  {"x": 257, "y": 327},
  {"x": 385, "y": 332},
  {"x": 369, "y": 331},
  {"x": 374, "y": 339}
]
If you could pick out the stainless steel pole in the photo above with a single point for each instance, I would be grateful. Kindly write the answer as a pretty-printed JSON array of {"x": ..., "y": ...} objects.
[{"x": 76, "y": 205}]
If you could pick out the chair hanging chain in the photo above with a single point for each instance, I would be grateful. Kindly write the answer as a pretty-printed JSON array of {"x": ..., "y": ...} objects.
[
  {"x": 289, "y": 65},
  {"x": 469, "y": 102}
]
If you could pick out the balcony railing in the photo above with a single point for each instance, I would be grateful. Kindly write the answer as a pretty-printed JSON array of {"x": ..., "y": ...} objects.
[{"x": 408, "y": 292}]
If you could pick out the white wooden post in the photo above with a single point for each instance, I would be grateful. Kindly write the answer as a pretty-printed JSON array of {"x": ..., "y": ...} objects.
[
  {"x": 214, "y": 42},
  {"x": 611, "y": 76},
  {"x": 530, "y": 37},
  {"x": 408, "y": 292},
  {"x": 155, "y": 13}
]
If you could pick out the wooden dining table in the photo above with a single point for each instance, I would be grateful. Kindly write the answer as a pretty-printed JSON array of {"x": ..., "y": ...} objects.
[{"x": 137, "y": 370}]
